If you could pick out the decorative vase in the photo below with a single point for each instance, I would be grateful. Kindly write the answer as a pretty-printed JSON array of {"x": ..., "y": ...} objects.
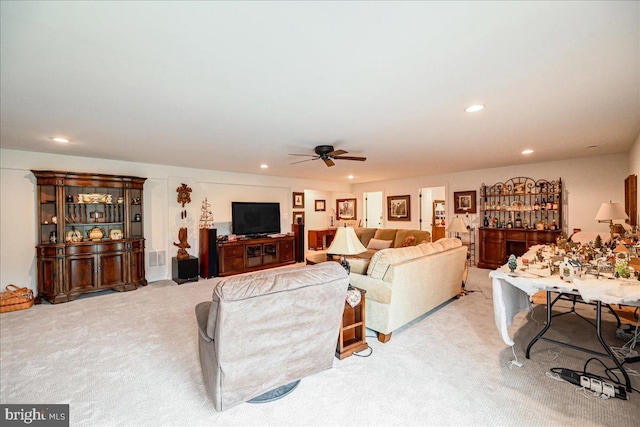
[
  {"x": 513, "y": 263},
  {"x": 95, "y": 234}
]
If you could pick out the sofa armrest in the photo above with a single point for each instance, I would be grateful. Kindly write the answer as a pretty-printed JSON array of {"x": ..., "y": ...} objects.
[
  {"x": 202, "y": 316},
  {"x": 377, "y": 289}
]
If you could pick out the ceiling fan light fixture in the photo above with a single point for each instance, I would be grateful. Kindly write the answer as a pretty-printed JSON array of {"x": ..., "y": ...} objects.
[
  {"x": 328, "y": 154},
  {"x": 474, "y": 108}
]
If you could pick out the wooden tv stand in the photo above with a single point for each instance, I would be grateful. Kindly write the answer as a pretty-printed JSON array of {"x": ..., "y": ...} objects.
[{"x": 242, "y": 256}]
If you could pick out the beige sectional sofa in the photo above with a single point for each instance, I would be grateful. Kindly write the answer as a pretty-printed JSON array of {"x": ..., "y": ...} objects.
[
  {"x": 403, "y": 283},
  {"x": 396, "y": 237}
]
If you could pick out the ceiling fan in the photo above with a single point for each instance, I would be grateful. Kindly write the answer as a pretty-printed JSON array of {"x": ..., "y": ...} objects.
[{"x": 328, "y": 155}]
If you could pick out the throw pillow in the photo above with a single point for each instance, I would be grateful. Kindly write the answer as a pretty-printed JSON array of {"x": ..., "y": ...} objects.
[
  {"x": 358, "y": 265},
  {"x": 379, "y": 244},
  {"x": 409, "y": 241}
]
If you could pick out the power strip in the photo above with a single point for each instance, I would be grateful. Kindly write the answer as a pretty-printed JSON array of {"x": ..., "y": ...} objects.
[{"x": 595, "y": 384}]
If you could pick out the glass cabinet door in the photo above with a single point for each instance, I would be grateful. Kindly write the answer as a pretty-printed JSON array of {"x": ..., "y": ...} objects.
[
  {"x": 48, "y": 214},
  {"x": 93, "y": 214},
  {"x": 136, "y": 228}
]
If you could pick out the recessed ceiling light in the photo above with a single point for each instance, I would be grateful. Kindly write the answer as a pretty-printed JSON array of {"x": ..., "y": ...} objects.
[
  {"x": 264, "y": 166},
  {"x": 474, "y": 108},
  {"x": 350, "y": 177},
  {"x": 528, "y": 151},
  {"x": 59, "y": 139}
]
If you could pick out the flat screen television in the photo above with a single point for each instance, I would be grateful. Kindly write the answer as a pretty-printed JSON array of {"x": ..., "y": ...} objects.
[{"x": 255, "y": 218}]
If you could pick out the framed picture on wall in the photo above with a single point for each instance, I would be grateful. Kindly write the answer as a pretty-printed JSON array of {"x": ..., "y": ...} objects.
[
  {"x": 399, "y": 208},
  {"x": 346, "y": 209},
  {"x": 298, "y": 217},
  {"x": 320, "y": 206},
  {"x": 298, "y": 200},
  {"x": 464, "y": 202}
]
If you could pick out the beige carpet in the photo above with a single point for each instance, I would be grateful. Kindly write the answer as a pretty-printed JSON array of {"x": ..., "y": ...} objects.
[{"x": 131, "y": 359}]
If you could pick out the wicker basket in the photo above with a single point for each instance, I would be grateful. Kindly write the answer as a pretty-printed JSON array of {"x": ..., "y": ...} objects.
[{"x": 15, "y": 299}]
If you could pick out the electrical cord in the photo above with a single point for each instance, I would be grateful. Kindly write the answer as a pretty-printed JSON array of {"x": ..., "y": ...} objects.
[
  {"x": 364, "y": 355},
  {"x": 607, "y": 370}
]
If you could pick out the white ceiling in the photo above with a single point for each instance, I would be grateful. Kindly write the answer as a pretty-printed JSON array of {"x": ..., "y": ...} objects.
[{"x": 231, "y": 85}]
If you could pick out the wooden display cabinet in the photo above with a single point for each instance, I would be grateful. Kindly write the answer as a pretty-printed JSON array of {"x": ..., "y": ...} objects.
[
  {"x": 90, "y": 234},
  {"x": 242, "y": 256},
  {"x": 517, "y": 214}
]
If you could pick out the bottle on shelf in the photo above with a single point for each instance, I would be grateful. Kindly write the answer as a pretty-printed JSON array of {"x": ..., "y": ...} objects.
[
  {"x": 550, "y": 203},
  {"x": 518, "y": 221},
  {"x": 536, "y": 205},
  {"x": 555, "y": 203},
  {"x": 486, "y": 221},
  {"x": 543, "y": 206}
]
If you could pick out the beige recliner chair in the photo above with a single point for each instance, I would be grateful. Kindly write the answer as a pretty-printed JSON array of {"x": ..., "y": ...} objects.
[{"x": 269, "y": 329}]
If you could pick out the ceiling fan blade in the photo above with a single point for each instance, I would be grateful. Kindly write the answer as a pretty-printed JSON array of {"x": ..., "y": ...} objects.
[
  {"x": 308, "y": 155},
  {"x": 328, "y": 162},
  {"x": 337, "y": 153},
  {"x": 360, "y": 159},
  {"x": 301, "y": 161}
]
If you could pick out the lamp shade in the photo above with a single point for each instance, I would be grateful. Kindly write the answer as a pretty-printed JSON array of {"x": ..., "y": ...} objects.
[
  {"x": 610, "y": 211},
  {"x": 457, "y": 226},
  {"x": 346, "y": 242}
]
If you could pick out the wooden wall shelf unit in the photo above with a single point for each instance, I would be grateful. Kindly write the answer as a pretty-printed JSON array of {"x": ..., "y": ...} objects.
[
  {"x": 242, "y": 256},
  {"x": 74, "y": 257},
  {"x": 517, "y": 214}
]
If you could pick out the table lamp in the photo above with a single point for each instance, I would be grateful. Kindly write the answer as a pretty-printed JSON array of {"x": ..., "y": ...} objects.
[
  {"x": 346, "y": 243},
  {"x": 609, "y": 212},
  {"x": 457, "y": 226}
]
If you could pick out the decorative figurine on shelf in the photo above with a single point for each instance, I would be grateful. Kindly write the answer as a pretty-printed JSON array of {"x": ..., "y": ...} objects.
[
  {"x": 206, "y": 217},
  {"x": 183, "y": 245},
  {"x": 95, "y": 234},
  {"x": 513, "y": 263},
  {"x": 184, "y": 197}
]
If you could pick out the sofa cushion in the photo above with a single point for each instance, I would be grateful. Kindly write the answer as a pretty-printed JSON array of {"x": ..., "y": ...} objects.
[
  {"x": 450, "y": 243},
  {"x": 382, "y": 260},
  {"x": 439, "y": 246},
  {"x": 379, "y": 244},
  {"x": 385, "y": 234},
  {"x": 358, "y": 265},
  {"x": 365, "y": 234},
  {"x": 401, "y": 236}
]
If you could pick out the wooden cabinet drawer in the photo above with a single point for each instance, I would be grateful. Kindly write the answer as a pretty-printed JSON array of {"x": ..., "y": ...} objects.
[
  {"x": 516, "y": 235},
  {"x": 233, "y": 251},
  {"x": 233, "y": 264},
  {"x": 491, "y": 234}
]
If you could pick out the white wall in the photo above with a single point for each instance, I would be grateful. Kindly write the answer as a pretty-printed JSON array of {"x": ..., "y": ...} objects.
[
  {"x": 18, "y": 229},
  {"x": 634, "y": 158}
]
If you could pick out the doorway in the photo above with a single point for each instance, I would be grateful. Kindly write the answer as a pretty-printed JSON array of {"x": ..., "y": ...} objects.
[
  {"x": 372, "y": 209},
  {"x": 433, "y": 208}
]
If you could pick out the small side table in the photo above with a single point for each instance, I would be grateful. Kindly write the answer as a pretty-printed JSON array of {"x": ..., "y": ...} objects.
[{"x": 353, "y": 334}]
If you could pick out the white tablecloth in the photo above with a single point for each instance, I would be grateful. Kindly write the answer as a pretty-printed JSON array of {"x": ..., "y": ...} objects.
[{"x": 511, "y": 292}]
